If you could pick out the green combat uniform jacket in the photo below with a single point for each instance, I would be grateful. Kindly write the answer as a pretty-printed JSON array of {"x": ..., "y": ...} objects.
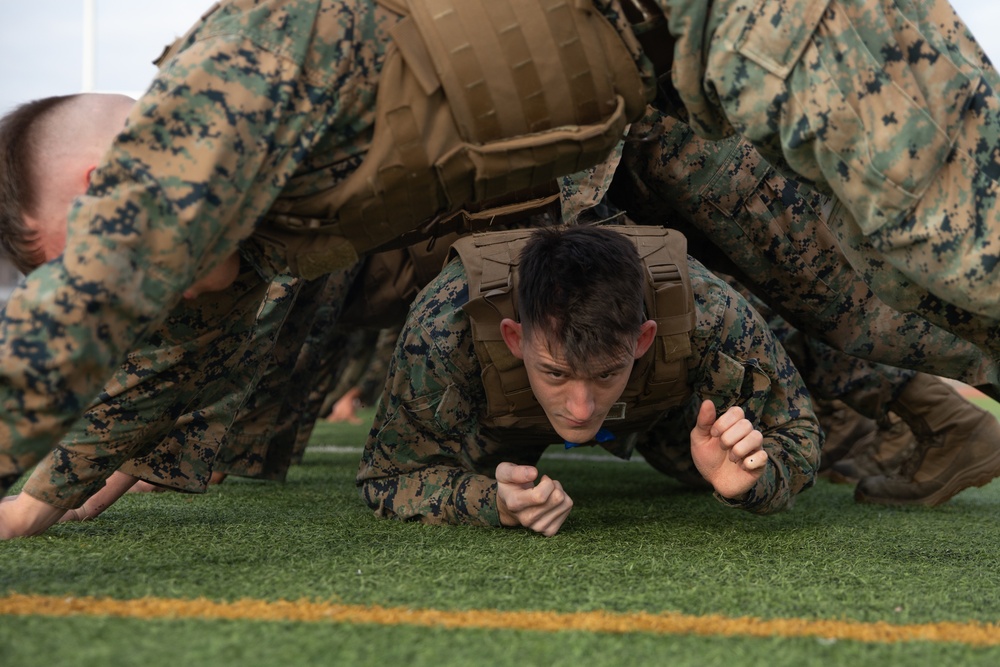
[
  {"x": 430, "y": 456},
  {"x": 892, "y": 107}
]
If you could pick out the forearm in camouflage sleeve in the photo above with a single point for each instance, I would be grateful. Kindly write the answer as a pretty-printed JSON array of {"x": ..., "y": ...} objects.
[
  {"x": 162, "y": 415},
  {"x": 409, "y": 473},
  {"x": 779, "y": 405},
  {"x": 744, "y": 365},
  {"x": 418, "y": 462}
]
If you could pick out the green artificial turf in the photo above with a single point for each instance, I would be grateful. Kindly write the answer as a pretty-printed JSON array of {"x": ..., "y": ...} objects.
[{"x": 636, "y": 542}]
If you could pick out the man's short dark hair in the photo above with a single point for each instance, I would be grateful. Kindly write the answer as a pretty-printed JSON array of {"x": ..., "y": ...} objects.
[
  {"x": 19, "y": 146},
  {"x": 583, "y": 287}
]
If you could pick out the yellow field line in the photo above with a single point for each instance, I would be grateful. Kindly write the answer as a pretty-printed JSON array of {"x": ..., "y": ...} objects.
[{"x": 971, "y": 633}]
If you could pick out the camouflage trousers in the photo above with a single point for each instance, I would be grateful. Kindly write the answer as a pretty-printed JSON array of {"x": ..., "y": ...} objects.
[
  {"x": 865, "y": 386},
  {"x": 368, "y": 352},
  {"x": 890, "y": 105},
  {"x": 170, "y": 404},
  {"x": 310, "y": 357},
  {"x": 245, "y": 445},
  {"x": 744, "y": 218},
  {"x": 273, "y": 425},
  {"x": 247, "y": 368}
]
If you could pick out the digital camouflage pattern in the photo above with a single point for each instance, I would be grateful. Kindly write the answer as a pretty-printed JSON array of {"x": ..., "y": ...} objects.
[
  {"x": 169, "y": 406},
  {"x": 251, "y": 431},
  {"x": 260, "y": 106},
  {"x": 428, "y": 458},
  {"x": 265, "y": 99},
  {"x": 585, "y": 190},
  {"x": 367, "y": 352},
  {"x": 319, "y": 356},
  {"x": 273, "y": 98},
  {"x": 892, "y": 106},
  {"x": 202, "y": 442},
  {"x": 772, "y": 231},
  {"x": 865, "y": 386},
  {"x": 373, "y": 378},
  {"x": 249, "y": 448}
]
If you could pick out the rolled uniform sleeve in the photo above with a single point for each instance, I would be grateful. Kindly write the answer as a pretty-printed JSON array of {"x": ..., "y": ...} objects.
[
  {"x": 742, "y": 364},
  {"x": 205, "y": 153},
  {"x": 420, "y": 459}
]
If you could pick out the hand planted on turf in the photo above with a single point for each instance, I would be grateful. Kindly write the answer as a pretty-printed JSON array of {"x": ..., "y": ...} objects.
[
  {"x": 727, "y": 451},
  {"x": 541, "y": 507},
  {"x": 23, "y": 516},
  {"x": 112, "y": 490}
]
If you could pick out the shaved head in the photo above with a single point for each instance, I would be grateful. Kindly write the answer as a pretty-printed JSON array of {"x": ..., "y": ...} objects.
[{"x": 47, "y": 149}]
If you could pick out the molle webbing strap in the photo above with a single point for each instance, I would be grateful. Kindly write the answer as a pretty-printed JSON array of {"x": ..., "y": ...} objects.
[
  {"x": 489, "y": 260},
  {"x": 477, "y": 99},
  {"x": 535, "y": 207},
  {"x": 670, "y": 303},
  {"x": 486, "y": 55}
]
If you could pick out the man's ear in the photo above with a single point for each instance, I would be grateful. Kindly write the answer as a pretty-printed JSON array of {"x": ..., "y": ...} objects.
[
  {"x": 513, "y": 335},
  {"x": 647, "y": 334},
  {"x": 87, "y": 175}
]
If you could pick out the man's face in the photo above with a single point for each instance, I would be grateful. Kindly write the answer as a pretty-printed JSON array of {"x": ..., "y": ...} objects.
[{"x": 576, "y": 401}]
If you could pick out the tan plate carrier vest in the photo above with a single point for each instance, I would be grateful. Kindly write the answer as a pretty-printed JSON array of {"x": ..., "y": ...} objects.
[
  {"x": 659, "y": 378},
  {"x": 478, "y": 101}
]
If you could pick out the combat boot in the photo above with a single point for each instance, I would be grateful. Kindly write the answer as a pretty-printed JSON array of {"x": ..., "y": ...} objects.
[
  {"x": 958, "y": 446},
  {"x": 843, "y": 430},
  {"x": 883, "y": 452}
]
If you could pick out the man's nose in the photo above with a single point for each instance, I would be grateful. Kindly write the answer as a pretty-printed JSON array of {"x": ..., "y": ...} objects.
[{"x": 580, "y": 401}]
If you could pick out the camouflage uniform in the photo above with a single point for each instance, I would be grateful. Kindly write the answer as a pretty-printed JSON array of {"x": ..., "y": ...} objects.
[
  {"x": 251, "y": 101},
  {"x": 247, "y": 442},
  {"x": 265, "y": 438},
  {"x": 264, "y": 105},
  {"x": 315, "y": 365},
  {"x": 169, "y": 405},
  {"x": 277, "y": 101},
  {"x": 368, "y": 352},
  {"x": 428, "y": 458},
  {"x": 893, "y": 106},
  {"x": 259, "y": 388},
  {"x": 773, "y": 238},
  {"x": 831, "y": 374},
  {"x": 373, "y": 378}
]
